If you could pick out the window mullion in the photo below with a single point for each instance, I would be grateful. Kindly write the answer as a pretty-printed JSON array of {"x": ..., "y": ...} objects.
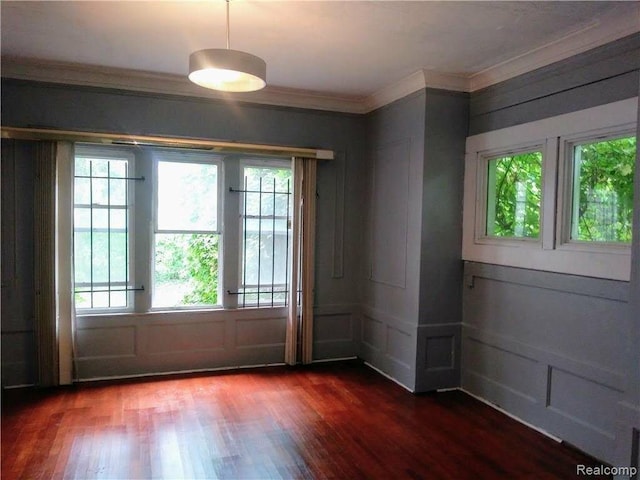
[
  {"x": 91, "y": 228},
  {"x": 109, "y": 233},
  {"x": 231, "y": 240},
  {"x": 142, "y": 233},
  {"x": 550, "y": 175}
]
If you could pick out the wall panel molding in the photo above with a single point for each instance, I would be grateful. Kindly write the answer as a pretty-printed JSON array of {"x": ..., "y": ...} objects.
[
  {"x": 609, "y": 378},
  {"x": 390, "y": 197},
  {"x": 340, "y": 167},
  {"x": 560, "y": 386}
]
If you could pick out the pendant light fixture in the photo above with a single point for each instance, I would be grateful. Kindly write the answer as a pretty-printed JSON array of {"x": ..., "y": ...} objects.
[{"x": 227, "y": 70}]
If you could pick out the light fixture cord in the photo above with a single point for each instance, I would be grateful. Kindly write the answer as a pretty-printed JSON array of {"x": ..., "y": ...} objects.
[{"x": 227, "y": 1}]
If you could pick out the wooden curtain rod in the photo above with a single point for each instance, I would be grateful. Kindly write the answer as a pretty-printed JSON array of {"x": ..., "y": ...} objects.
[{"x": 19, "y": 133}]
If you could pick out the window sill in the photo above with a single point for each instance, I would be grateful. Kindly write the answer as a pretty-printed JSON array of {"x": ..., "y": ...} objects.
[{"x": 190, "y": 314}]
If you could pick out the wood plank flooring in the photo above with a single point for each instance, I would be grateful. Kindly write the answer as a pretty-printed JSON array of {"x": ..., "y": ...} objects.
[{"x": 338, "y": 421}]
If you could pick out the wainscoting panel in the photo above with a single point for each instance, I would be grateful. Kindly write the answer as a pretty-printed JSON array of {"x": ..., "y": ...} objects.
[
  {"x": 440, "y": 353},
  {"x": 185, "y": 337},
  {"x": 335, "y": 332},
  {"x": 399, "y": 347},
  {"x": 104, "y": 342},
  {"x": 438, "y": 357},
  {"x": 576, "y": 403},
  {"x": 162, "y": 342},
  {"x": 389, "y": 344},
  {"x": 17, "y": 352},
  {"x": 124, "y": 345},
  {"x": 550, "y": 349},
  {"x": 517, "y": 374},
  {"x": 373, "y": 334},
  {"x": 260, "y": 332}
]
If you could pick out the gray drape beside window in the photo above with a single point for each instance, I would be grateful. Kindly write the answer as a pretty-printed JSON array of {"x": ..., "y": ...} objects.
[
  {"x": 46, "y": 332},
  {"x": 52, "y": 235},
  {"x": 299, "y": 338}
]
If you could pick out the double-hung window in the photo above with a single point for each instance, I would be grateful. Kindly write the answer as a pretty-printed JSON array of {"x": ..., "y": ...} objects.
[
  {"x": 103, "y": 193},
  {"x": 187, "y": 231},
  {"x": 265, "y": 234}
]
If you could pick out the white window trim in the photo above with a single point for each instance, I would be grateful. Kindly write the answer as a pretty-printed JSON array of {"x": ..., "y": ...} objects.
[{"x": 552, "y": 254}]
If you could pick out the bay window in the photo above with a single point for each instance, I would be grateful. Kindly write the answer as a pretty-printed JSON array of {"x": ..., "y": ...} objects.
[{"x": 186, "y": 216}]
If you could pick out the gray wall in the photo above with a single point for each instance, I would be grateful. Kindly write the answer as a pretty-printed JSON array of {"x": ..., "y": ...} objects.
[
  {"x": 440, "y": 315},
  {"x": 603, "y": 75},
  {"x": 411, "y": 299},
  {"x": 559, "y": 351},
  {"x": 548, "y": 348},
  {"x": 110, "y": 346},
  {"x": 391, "y": 283},
  {"x": 628, "y": 432},
  {"x": 18, "y": 295}
]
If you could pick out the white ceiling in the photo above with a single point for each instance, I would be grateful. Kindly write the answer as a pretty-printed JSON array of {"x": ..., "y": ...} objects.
[{"x": 339, "y": 48}]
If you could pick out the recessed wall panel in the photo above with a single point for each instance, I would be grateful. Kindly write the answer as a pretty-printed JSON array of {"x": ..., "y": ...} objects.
[
  {"x": 332, "y": 328},
  {"x": 440, "y": 352},
  {"x": 106, "y": 342},
  {"x": 511, "y": 370},
  {"x": 185, "y": 337},
  {"x": 389, "y": 215},
  {"x": 373, "y": 332},
  {"x": 581, "y": 400},
  {"x": 261, "y": 331},
  {"x": 400, "y": 346}
]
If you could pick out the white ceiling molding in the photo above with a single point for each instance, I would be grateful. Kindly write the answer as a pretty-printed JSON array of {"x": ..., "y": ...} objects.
[
  {"x": 139, "y": 81},
  {"x": 414, "y": 82},
  {"x": 607, "y": 29}
]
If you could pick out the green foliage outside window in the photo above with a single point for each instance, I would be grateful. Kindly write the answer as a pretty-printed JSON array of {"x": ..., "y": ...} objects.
[
  {"x": 603, "y": 190},
  {"x": 186, "y": 267},
  {"x": 202, "y": 261},
  {"x": 513, "y": 195}
]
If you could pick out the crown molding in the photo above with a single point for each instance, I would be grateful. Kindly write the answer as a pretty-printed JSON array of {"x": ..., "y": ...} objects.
[
  {"x": 608, "y": 29},
  {"x": 149, "y": 82},
  {"x": 414, "y": 82}
]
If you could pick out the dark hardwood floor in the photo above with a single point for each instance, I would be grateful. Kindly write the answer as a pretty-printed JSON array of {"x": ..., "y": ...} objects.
[{"x": 341, "y": 421}]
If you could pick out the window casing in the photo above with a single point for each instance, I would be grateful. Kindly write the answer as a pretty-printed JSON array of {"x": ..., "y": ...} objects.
[{"x": 559, "y": 246}]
